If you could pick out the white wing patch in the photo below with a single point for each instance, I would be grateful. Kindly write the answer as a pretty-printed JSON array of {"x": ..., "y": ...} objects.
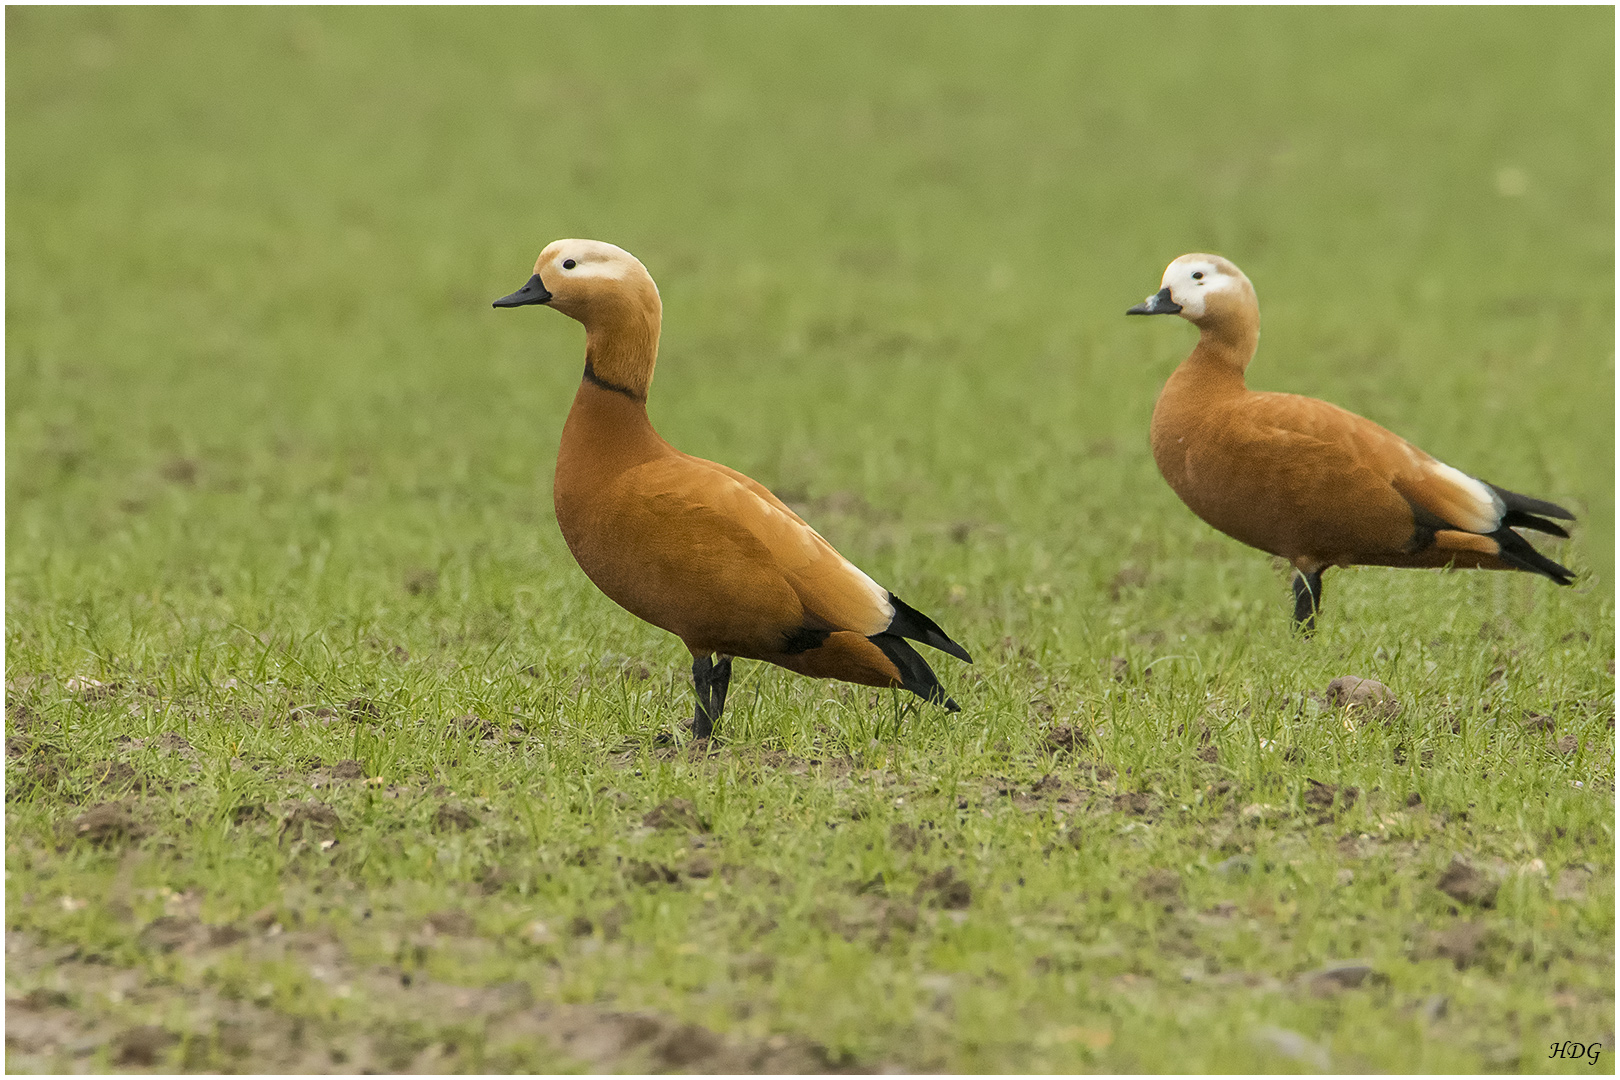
[{"x": 1488, "y": 507}]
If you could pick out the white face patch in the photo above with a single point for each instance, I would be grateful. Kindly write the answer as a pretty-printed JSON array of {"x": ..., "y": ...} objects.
[
  {"x": 1192, "y": 278},
  {"x": 590, "y": 258}
]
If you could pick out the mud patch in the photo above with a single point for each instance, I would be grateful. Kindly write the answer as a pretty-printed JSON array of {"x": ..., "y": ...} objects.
[{"x": 414, "y": 1026}]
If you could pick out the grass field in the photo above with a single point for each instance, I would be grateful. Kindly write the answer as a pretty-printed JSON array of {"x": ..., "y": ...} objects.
[{"x": 322, "y": 754}]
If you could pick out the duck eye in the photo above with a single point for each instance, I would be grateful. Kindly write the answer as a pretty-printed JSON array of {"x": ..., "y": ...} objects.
[
  {"x": 1198, "y": 275},
  {"x": 568, "y": 264}
]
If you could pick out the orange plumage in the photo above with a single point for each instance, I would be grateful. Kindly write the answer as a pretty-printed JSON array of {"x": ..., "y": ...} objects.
[
  {"x": 1307, "y": 480},
  {"x": 692, "y": 546}
]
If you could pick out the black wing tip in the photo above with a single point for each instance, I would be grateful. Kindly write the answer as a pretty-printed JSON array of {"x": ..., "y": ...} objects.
[
  {"x": 1518, "y": 519},
  {"x": 915, "y": 674},
  {"x": 911, "y": 623},
  {"x": 1515, "y": 501},
  {"x": 1517, "y": 552}
]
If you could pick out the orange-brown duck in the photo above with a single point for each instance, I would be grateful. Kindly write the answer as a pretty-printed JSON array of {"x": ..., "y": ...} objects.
[
  {"x": 691, "y": 546},
  {"x": 1307, "y": 480}
]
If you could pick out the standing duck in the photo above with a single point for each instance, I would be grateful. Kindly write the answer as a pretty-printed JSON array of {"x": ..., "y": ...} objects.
[
  {"x": 1307, "y": 480},
  {"x": 693, "y": 547}
]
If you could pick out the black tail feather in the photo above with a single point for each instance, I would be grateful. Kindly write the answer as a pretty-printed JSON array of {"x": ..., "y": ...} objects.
[
  {"x": 1517, "y": 552},
  {"x": 1518, "y": 519},
  {"x": 1525, "y": 504},
  {"x": 911, "y": 623},
  {"x": 915, "y": 674}
]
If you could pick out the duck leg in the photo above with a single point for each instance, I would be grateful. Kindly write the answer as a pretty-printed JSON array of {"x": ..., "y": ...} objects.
[
  {"x": 1307, "y": 600},
  {"x": 710, "y": 677}
]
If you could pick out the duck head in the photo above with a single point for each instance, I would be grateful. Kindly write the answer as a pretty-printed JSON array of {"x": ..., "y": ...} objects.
[
  {"x": 1200, "y": 288},
  {"x": 584, "y": 279},
  {"x": 1212, "y": 294},
  {"x": 609, "y": 291}
]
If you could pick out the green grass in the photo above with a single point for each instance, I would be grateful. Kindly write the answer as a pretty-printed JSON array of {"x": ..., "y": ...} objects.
[{"x": 277, "y": 477}]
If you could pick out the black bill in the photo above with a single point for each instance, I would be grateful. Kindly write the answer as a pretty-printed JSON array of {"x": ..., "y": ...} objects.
[
  {"x": 1157, "y": 304},
  {"x": 534, "y": 292}
]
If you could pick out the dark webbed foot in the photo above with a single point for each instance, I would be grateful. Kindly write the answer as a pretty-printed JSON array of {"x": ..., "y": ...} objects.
[
  {"x": 1307, "y": 600},
  {"x": 710, "y": 678}
]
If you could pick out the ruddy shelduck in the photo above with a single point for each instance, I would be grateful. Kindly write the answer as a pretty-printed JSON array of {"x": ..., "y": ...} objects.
[
  {"x": 693, "y": 547},
  {"x": 1307, "y": 480}
]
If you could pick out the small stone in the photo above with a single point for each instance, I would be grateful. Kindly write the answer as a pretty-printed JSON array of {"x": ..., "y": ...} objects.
[
  {"x": 1463, "y": 883},
  {"x": 109, "y": 823},
  {"x": 1344, "y": 975},
  {"x": 456, "y": 923},
  {"x": 1359, "y": 696},
  {"x": 1463, "y": 943},
  {"x": 1291, "y": 1044}
]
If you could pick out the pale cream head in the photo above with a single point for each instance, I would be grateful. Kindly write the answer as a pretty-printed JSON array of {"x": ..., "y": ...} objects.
[
  {"x": 588, "y": 279},
  {"x": 1207, "y": 285}
]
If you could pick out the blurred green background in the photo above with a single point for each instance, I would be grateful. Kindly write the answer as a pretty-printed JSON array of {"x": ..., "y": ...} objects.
[
  {"x": 894, "y": 248},
  {"x": 268, "y": 448}
]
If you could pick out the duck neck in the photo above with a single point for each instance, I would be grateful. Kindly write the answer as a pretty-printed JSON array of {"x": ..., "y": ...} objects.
[
  {"x": 1224, "y": 350},
  {"x": 621, "y": 351}
]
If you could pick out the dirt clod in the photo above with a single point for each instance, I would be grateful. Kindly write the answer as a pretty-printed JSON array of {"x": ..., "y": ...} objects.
[
  {"x": 1538, "y": 723},
  {"x": 361, "y": 709},
  {"x": 174, "y": 743},
  {"x": 107, "y": 824},
  {"x": 1464, "y": 944},
  {"x": 142, "y": 1045},
  {"x": 646, "y": 873},
  {"x": 249, "y": 812},
  {"x": 1160, "y": 887},
  {"x": 1344, "y": 975},
  {"x": 348, "y": 769},
  {"x": 453, "y": 923},
  {"x": 1366, "y": 696},
  {"x": 310, "y": 818},
  {"x": 675, "y": 814},
  {"x": 687, "y": 1045},
  {"x": 452, "y": 818},
  {"x": 1065, "y": 738},
  {"x": 946, "y": 889},
  {"x": 421, "y": 581},
  {"x": 909, "y": 838},
  {"x": 1465, "y": 884},
  {"x": 168, "y": 932},
  {"x": 1133, "y": 802},
  {"x": 1320, "y": 796}
]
